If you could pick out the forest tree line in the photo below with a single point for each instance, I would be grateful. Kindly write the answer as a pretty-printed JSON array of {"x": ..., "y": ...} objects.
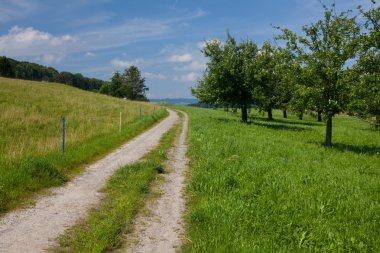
[
  {"x": 332, "y": 68},
  {"x": 129, "y": 85},
  {"x": 31, "y": 71}
]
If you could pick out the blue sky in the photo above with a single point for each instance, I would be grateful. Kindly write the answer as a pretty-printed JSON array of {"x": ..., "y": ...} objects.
[{"x": 162, "y": 38}]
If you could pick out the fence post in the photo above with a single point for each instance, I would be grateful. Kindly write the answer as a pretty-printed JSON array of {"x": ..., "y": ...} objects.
[
  {"x": 120, "y": 123},
  {"x": 63, "y": 133},
  {"x": 140, "y": 113}
]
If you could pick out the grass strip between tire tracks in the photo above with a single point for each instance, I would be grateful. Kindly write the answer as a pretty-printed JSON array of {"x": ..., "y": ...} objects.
[{"x": 104, "y": 228}]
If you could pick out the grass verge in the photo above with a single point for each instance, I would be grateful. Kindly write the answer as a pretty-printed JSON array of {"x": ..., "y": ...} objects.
[
  {"x": 274, "y": 187},
  {"x": 125, "y": 192},
  {"x": 30, "y": 156}
]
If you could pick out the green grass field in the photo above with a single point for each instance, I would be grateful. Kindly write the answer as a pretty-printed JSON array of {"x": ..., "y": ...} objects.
[
  {"x": 274, "y": 187},
  {"x": 30, "y": 133}
]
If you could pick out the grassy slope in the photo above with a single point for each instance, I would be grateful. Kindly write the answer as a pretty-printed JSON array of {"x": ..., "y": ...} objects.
[
  {"x": 273, "y": 186},
  {"x": 30, "y": 133},
  {"x": 105, "y": 227}
]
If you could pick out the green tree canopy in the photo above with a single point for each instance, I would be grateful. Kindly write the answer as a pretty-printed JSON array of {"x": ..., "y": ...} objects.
[
  {"x": 229, "y": 78},
  {"x": 133, "y": 84},
  {"x": 130, "y": 85},
  {"x": 325, "y": 49},
  {"x": 366, "y": 72}
]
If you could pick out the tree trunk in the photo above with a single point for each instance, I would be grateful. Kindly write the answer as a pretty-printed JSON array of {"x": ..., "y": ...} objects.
[
  {"x": 244, "y": 113},
  {"x": 377, "y": 123},
  {"x": 328, "y": 131},
  {"x": 285, "y": 114},
  {"x": 319, "y": 116},
  {"x": 270, "y": 115},
  {"x": 300, "y": 116}
]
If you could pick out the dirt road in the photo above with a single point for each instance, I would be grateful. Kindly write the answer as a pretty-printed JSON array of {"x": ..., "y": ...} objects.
[
  {"x": 34, "y": 229},
  {"x": 162, "y": 230}
]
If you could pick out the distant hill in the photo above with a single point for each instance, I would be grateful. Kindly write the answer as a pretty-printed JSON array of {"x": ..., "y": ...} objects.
[
  {"x": 175, "y": 101},
  {"x": 11, "y": 68}
]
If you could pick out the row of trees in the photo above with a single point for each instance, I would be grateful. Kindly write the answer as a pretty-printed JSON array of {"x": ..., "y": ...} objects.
[
  {"x": 129, "y": 85},
  {"x": 333, "y": 67},
  {"x": 35, "y": 72}
]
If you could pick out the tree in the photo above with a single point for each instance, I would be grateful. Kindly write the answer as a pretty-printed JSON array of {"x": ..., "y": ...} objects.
[
  {"x": 286, "y": 68},
  {"x": 209, "y": 89},
  {"x": 264, "y": 93},
  {"x": 306, "y": 94},
  {"x": 116, "y": 84},
  {"x": 326, "y": 48},
  {"x": 133, "y": 86},
  {"x": 229, "y": 78},
  {"x": 301, "y": 98},
  {"x": 275, "y": 69},
  {"x": 366, "y": 72},
  {"x": 6, "y": 67}
]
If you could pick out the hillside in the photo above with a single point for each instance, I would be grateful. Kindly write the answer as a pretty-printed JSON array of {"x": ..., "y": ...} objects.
[
  {"x": 30, "y": 133},
  {"x": 12, "y": 68}
]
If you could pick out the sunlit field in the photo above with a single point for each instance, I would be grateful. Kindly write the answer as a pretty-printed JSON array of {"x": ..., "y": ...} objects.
[
  {"x": 31, "y": 116},
  {"x": 274, "y": 187}
]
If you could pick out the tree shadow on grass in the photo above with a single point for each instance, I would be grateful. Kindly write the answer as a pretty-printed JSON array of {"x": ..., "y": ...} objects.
[
  {"x": 280, "y": 126},
  {"x": 226, "y": 120},
  {"x": 370, "y": 129},
  {"x": 304, "y": 123},
  {"x": 261, "y": 123},
  {"x": 359, "y": 149},
  {"x": 284, "y": 121}
]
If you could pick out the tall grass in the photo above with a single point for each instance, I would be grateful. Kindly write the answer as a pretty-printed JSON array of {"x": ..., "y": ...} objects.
[
  {"x": 31, "y": 116},
  {"x": 274, "y": 187},
  {"x": 30, "y": 133}
]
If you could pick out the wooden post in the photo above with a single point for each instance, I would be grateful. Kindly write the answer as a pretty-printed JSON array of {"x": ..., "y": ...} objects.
[
  {"x": 120, "y": 123},
  {"x": 140, "y": 113},
  {"x": 63, "y": 133}
]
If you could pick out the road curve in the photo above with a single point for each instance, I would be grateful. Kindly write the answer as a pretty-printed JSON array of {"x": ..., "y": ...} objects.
[{"x": 34, "y": 229}]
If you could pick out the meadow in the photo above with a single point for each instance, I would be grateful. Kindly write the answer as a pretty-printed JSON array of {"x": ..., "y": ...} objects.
[
  {"x": 30, "y": 134},
  {"x": 272, "y": 186}
]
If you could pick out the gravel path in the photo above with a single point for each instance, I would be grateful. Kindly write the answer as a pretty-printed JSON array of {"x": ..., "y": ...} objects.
[
  {"x": 34, "y": 229},
  {"x": 162, "y": 230}
]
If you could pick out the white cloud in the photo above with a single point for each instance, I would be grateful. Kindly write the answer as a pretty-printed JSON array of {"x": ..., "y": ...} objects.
[
  {"x": 200, "y": 13},
  {"x": 31, "y": 42},
  {"x": 181, "y": 58},
  {"x": 52, "y": 58},
  {"x": 134, "y": 30},
  {"x": 152, "y": 76},
  {"x": 89, "y": 54},
  {"x": 125, "y": 64},
  {"x": 190, "y": 77},
  {"x": 196, "y": 65}
]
